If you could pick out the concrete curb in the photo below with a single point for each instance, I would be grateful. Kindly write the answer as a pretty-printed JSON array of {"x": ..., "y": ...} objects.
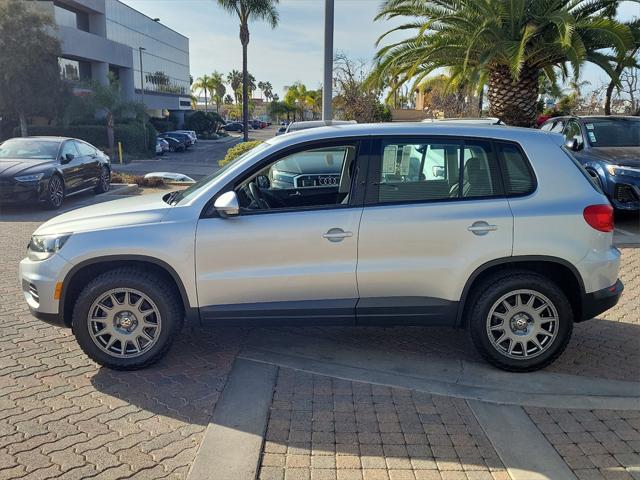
[
  {"x": 232, "y": 444},
  {"x": 122, "y": 189},
  {"x": 432, "y": 374},
  {"x": 520, "y": 445}
]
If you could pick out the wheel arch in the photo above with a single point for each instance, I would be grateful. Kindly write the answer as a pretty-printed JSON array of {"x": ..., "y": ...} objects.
[
  {"x": 557, "y": 269},
  {"x": 81, "y": 273}
]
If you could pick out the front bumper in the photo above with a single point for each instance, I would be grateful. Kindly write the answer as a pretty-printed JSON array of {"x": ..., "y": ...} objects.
[
  {"x": 594, "y": 303},
  {"x": 624, "y": 192},
  {"x": 38, "y": 280},
  {"x": 17, "y": 192}
]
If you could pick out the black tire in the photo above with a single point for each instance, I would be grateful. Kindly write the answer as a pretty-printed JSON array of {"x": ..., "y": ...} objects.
[
  {"x": 492, "y": 289},
  {"x": 164, "y": 296},
  {"x": 55, "y": 192},
  {"x": 104, "y": 180}
]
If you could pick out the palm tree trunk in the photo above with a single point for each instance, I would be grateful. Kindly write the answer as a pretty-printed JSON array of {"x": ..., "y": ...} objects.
[
  {"x": 23, "y": 124},
  {"x": 206, "y": 105},
  {"x": 607, "y": 98},
  {"x": 111, "y": 142},
  {"x": 244, "y": 39},
  {"x": 513, "y": 102}
]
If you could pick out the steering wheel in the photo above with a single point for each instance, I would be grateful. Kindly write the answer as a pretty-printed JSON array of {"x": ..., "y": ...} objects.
[{"x": 257, "y": 196}]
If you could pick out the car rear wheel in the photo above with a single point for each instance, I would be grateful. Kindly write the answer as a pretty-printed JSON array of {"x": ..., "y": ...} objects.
[
  {"x": 519, "y": 321},
  {"x": 126, "y": 319},
  {"x": 55, "y": 193},
  {"x": 104, "y": 181}
]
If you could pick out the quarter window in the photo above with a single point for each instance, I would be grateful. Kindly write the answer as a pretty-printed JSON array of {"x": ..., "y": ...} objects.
[
  {"x": 518, "y": 176},
  {"x": 431, "y": 170}
]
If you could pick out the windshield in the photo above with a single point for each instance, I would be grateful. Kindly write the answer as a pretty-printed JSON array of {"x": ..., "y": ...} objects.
[
  {"x": 615, "y": 132},
  {"x": 203, "y": 182},
  {"x": 29, "y": 148}
]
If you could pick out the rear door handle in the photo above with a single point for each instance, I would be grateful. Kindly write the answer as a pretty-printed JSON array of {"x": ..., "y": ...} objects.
[
  {"x": 481, "y": 228},
  {"x": 337, "y": 235}
]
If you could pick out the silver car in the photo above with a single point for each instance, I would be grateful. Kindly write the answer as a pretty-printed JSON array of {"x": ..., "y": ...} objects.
[{"x": 496, "y": 230}]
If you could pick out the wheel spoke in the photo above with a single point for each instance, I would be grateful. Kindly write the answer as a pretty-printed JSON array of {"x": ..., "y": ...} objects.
[
  {"x": 536, "y": 342},
  {"x": 111, "y": 341}
]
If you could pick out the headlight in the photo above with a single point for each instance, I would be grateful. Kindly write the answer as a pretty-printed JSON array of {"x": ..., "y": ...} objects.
[
  {"x": 616, "y": 170},
  {"x": 42, "y": 247},
  {"x": 30, "y": 178}
]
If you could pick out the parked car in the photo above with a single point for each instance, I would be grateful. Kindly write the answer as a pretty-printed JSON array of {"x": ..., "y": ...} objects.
[
  {"x": 175, "y": 145},
  {"x": 183, "y": 137},
  {"x": 609, "y": 149},
  {"x": 516, "y": 247},
  {"x": 192, "y": 134},
  {"x": 297, "y": 126},
  {"x": 48, "y": 169},
  {"x": 233, "y": 127},
  {"x": 162, "y": 146},
  {"x": 281, "y": 131}
]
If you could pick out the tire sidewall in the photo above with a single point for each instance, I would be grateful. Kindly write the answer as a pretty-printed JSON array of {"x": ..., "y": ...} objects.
[
  {"x": 102, "y": 284},
  {"x": 49, "y": 203},
  {"x": 485, "y": 300}
]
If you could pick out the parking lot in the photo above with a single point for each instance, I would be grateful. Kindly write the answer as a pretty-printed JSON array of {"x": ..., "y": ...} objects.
[{"x": 342, "y": 402}]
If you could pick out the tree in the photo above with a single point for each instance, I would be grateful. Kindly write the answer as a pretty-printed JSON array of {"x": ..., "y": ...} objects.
[
  {"x": 354, "y": 98},
  {"x": 299, "y": 98},
  {"x": 248, "y": 10},
  {"x": 277, "y": 110},
  {"x": 202, "y": 84},
  {"x": 508, "y": 44},
  {"x": 267, "y": 89},
  {"x": 218, "y": 89},
  {"x": 30, "y": 79},
  {"x": 625, "y": 63},
  {"x": 234, "y": 78},
  {"x": 261, "y": 88}
]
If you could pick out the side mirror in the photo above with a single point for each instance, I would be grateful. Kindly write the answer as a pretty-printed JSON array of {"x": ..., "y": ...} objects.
[
  {"x": 573, "y": 144},
  {"x": 227, "y": 205},
  {"x": 67, "y": 158}
]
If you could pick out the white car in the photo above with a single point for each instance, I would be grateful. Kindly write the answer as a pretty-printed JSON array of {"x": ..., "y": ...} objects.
[
  {"x": 467, "y": 120},
  {"x": 297, "y": 126},
  {"x": 508, "y": 238}
]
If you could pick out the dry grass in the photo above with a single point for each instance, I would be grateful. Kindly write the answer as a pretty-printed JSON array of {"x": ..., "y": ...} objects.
[{"x": 139, "y": 180}]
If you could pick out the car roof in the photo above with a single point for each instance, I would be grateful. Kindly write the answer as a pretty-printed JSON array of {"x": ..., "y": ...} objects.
[
  {"x": 317, "y": 123},
  {"x": 467, "y": 120},
  {"x": 414, "y": 129},
  {"x": 43, "y": 137}
]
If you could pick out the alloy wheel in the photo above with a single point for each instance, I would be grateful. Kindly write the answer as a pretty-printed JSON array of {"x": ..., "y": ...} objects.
[
  {"x": 56, "y": 191},
  {"x": 124, "y": 322},
  {"x": 522, "y": 324},
  {"x": 105, "y": 179}
]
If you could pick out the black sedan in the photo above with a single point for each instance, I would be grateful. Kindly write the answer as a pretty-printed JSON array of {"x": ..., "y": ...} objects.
[
  {"x": 233, "y": 127},
  {"x": 183, "y": 138},
  {"x": 175, "y": 145},
  {"x": 609, "y": 149},
  {"x": 47, "y": 169}
]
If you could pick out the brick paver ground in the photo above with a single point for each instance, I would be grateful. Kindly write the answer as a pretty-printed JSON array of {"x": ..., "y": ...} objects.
[
  {"x": 61, "y": 416},
  {"x": 331, "y": 429},
  {"x": 596, "y": 444}
]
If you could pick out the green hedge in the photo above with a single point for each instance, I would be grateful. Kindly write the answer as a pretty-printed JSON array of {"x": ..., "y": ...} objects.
[
  {"x": 237, "y": 150},
  {"x": 131, "y": 135}
]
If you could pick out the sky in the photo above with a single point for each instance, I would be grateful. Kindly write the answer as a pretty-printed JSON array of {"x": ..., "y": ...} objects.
[{"x": 294, "y": 50}]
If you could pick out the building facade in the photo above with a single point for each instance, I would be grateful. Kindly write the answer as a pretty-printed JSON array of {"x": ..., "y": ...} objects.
[{"x": 106, "y": 37}]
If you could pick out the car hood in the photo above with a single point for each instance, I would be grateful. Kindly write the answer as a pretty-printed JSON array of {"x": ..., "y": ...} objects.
[
  {"x": 10, "y": 167},
  {"x": 136, "y": 210},
  {"x": 623, "y": 156}
]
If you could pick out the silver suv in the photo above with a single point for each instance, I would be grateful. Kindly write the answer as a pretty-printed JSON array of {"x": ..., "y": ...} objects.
[{"x": 496, "y": 230}]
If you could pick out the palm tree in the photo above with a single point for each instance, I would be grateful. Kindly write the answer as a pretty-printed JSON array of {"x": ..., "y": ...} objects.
[
  {"x": 251, "y": 85},
  {"x": 261, "y": 88},
  {"x": 217, "y": 89},
  {"x": 508, "y": 44},
  {"x": 267, "y": 89},
  {"x": 299, "y": 98},
  {"x": 234, "y": 78},
  {"x": 247, "y": 10},
  {"x": 202, "y": 84}
]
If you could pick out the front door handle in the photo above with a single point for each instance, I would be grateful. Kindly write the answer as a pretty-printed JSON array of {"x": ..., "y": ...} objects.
[
  {"x": 337, "y": 235},
  {"x": 481, "y": 228}
]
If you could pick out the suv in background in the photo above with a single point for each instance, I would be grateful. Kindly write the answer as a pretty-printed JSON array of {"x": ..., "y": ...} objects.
[
  {"x": 609, "y": 149},
  {"x": 515, "y": 254}
]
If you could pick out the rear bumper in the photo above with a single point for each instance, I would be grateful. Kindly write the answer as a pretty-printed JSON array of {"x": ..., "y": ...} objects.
[{"x": 594, "y": 303}]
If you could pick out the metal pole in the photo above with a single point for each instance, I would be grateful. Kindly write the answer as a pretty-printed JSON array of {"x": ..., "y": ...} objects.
[
  {"x": 144, "y": 123},
  {"x": 327, "y": 85}
]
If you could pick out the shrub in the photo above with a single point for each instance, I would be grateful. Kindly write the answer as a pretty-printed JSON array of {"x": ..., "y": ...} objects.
[
  {"x": 162, "y": 125},
  {"x": 139, "y": 180},
  {"x": 202, "y": 122},
  {"x": 237, "y": 150}
]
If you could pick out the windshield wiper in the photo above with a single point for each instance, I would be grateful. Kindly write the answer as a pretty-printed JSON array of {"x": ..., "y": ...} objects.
[{"x": 172, "y": 197}]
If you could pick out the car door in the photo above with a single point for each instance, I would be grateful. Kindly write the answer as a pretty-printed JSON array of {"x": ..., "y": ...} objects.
[
  {"x": 281, "y": 264},
  {"x": 434, "y": 212},
  {"x": 71, "y": 166},
  {"x": 90, "y": 164}
]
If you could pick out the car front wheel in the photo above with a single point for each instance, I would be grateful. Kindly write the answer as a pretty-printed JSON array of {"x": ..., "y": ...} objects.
[
  {"x": 104, "y": 181},
  {"x": 126, "y": 318},
  {"x": 55, "y": 193},
  {"x": 520, "y": 321}
]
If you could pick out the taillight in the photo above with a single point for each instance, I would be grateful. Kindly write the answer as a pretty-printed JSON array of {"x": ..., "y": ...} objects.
[{"x": 599, "y": 217}]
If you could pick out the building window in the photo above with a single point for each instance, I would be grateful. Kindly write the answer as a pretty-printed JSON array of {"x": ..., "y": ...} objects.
[
  {"x": 70, "y": 18},
  {"x": 74, "y": 70}
]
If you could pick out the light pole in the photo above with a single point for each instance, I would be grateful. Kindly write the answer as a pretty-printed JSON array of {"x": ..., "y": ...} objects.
[
  {"x": 327, "y": 85},
  {"x": 144, "y": 123}
]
